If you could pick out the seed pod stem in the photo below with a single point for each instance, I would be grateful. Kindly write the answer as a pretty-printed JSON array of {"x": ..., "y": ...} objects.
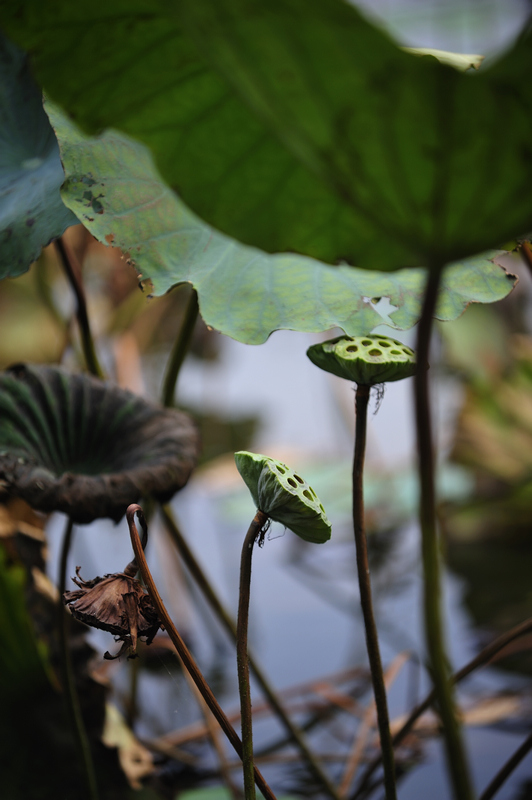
[
  {"x": 372, "y": 641},
  {"x": 259, "y": 521}
]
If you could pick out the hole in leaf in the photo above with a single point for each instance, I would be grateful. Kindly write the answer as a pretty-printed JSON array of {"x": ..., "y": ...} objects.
[
  {"x": 375, "y": 352},
  {"x": 352, "y": 348},
  {"x": 292, "y": 483},
  {"x": 299, "y": 479}
]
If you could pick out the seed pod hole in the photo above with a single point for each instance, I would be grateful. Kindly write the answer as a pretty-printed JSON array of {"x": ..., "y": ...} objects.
[
  {"x": 366, "y": 342},
  {"x": 308, "y": 494},
  {"x": 281, "y": 470},
  {"x": 292, "y": 483},
  {"x": 384, "y": 344},
  {"x": 375, "y": 352},
  {"x": 352, "y": 348},
  {"x": 395, "y": 352},
  {"x": 299, "y": 479}
]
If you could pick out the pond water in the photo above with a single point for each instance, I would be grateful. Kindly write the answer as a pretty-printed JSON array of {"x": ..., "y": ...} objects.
[{"x": 305, "y": 621}]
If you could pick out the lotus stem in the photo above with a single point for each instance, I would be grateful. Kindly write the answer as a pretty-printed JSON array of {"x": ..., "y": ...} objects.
[
  {"x": 180, "y": 646},
  {"x": 293, "y": 731},
  {"x": 257, "y": 526},
  {"x": 73, "y": 272},
  {"x": 438, "y": 662},
  {"x": 372, "y": 641},
  {"x": 69, "y": 684},
  {"x": 180, "y": 349}
]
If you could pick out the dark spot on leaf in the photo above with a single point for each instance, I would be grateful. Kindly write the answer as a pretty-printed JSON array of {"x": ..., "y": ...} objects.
[{"x": 30, "y": 222}]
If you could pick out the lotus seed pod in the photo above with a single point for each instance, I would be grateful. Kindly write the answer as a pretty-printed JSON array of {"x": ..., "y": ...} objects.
[
  {"x": 366, "y": 360},
  {"x": 284, "y": 496}
]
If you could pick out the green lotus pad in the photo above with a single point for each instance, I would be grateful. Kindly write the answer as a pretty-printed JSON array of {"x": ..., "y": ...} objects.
[
  {"x": 284, "y": 496},
  {"x": 364, "y": 359}
]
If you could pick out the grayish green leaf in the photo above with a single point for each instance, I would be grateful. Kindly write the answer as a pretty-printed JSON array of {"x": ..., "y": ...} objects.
[{"x": 115, "y": 190}]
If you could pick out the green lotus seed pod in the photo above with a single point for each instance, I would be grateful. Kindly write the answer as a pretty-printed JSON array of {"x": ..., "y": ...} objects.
[
  {"x": 284, "y": 496},
  {"x": 364, "y": 359}
]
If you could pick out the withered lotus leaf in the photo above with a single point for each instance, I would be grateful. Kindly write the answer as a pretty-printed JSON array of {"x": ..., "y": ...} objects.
[
  {"x": 116, "y": 603},
  {"x": 73, "y": 443}
]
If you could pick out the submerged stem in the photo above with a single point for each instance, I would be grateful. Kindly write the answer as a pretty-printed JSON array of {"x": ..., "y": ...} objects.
[
  {"x": 73, "y": 273},
  {"x": 180, "y": 349},
  {"x": 372, "y": 641},
  {"x": 69, "y": 685},
  {"x": 182, "y": 650},
  {"x": 438, "y": 662},
  {"x": 259, "y": 521}
]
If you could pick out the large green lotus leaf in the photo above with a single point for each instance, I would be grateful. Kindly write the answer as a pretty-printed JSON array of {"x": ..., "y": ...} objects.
[
  {"x": 296, "y": 125},
  {"x": 115, "y": 190},
  {"x": 31, "y": 210}
]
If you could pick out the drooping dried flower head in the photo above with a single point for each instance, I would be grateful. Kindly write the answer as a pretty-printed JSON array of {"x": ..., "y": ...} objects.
[
  {"x": 73, "y": 443},
  {"x": 116, "y": 603}
]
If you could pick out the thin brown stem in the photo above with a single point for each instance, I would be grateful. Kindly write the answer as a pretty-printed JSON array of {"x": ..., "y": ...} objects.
[
  {"x": 223, "y": 615},
  {"x": 73, "y": 272},
  {"x": 434, "y": 633},
  {"x": 180, "y": 646},
  {"x": 259, "y": 521},
  {"x": 372, "y": 639},
  {"x": 69, "y": 683}
]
